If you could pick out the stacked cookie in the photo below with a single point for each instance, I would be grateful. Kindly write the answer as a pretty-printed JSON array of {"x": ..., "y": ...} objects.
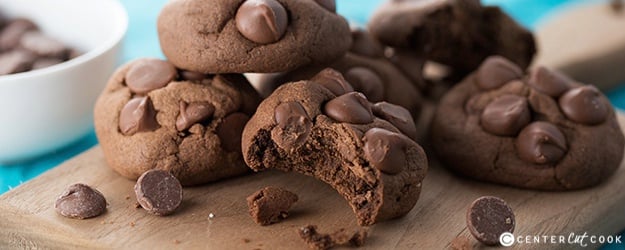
[{"x": 341, "y": 103}]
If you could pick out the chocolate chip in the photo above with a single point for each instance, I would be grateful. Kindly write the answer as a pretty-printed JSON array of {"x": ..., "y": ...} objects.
[
  {"x": 192, "y": 113},
  {"x": 398, "y": 116},
  {"x": 230, "y": 130},
  {"x": 506, "y": 115},
  {"x": 138, "y": 115},
  {"x": 158, "y": 192},
  {"x": 385, "y": 150},
  {"x": 80, "y": 201},
  {"x": 45, "y": 62},
  {"x": 352, "y": 107},
  {"x": 549, "y": 82},
  {"x": 333, "y": 81},
  {"x": 12, "y": 33},
  {"x": 262, "y": 21},
  {"x": 15, "y": 61},
  {"x": 541, "y": 143},
  {"x": 366, "y": 81},
  {"x": 191, "y": 75},
  {"x": 42, "y": 45},
  {"x": 364, "y": 44},
  {"x": 584, "y": 105},
  {"x": 495, "y": 71},
  {"x": 149, "y": 74},
  {"x": 327, "y": 4},
  {"x": 270, "y": 205},
  {"x": 293, "y": 127},
  {"x": 488, "y": 217}
]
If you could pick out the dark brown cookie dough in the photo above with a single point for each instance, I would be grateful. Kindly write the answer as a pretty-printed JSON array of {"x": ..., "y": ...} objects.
[
  {"x": 542, "y": 131},
  {"x": 367, "y": 71},
  {"x": 245, "y": 36},
  {"x": 457, "y": 33},
  {"x": 320, "y": 129},
  {"x": 270, "y": 205},
  {"x": 153, "y": 116}
]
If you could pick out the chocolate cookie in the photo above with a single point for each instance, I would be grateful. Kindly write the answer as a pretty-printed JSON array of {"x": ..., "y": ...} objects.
[
  {"x": 457, "y": 33},
  {"x": 154, "y": 116},
  {"x": 244, "y": 36},
  {"x": 541, "y": 131},
  {"x": 367, "y": 71},
  {"x": 320, "y": 129}
]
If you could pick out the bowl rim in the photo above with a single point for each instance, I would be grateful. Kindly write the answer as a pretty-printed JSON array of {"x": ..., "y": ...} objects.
[{"x": 106, "y": 45}]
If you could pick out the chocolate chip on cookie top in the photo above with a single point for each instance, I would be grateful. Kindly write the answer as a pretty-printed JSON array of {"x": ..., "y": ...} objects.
[
  {"x": 545, "y": 129},
  {"x": 150, "y": 74},
  {"x": 262, "y": 21}
]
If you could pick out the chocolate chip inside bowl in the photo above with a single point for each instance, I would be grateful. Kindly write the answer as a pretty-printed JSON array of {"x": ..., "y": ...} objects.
[
  {"x": 80, "y": 201},
  {"x": 158, "y": 192},
  {"x": 23, "y": 47}
]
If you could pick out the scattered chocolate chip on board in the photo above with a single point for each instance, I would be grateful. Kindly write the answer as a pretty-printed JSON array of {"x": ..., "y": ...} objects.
[
  {"x": 158, "y": 192},
  {"x": 488, "y": 217},
  {"x": 80, "y": 201}
]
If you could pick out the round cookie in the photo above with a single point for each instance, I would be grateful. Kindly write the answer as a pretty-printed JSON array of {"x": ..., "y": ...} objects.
[
  {"x": 242, "y": 36},
  {"x": 456, "y": 33},
  {"x": 154, "y": 116},
  {"x": 365, "y": 70},
  {"x": 543, "y": 131},
  {"x": 320, "y": 129}
]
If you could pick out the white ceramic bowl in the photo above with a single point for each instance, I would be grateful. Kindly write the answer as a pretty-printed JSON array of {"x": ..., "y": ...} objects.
[{"x": 45, "y": 109}]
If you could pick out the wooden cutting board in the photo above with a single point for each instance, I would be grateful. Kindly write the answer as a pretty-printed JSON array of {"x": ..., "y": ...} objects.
[{"x": 28, "y": 219}]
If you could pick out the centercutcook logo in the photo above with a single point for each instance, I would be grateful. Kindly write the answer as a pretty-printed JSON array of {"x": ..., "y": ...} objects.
[{"x": 583, "y": 240}]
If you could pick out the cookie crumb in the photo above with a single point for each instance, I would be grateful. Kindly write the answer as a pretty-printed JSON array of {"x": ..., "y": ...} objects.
[
  {"x": 246, "y": 240},
  {"x": 137, "y": 205},
  {"x": 176, "y": 242},
  {"x": 270, "y": 205},
  {"x": 132, "y": 224},
  {"x": 127, "y": 197},
  {"x": 316, "y": 240},
  {"x": 461, "y": 243}
]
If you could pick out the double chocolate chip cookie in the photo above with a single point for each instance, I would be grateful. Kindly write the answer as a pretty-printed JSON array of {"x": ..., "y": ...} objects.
[
  {"x": 542, "y": 131},
  {"x": 363, "y": 150},
  {"x": 456, "y": 33},
  {"x": 154, "y": 116},
  {"x": 366, "y": 70},
  {"x": 244, "y": 36}
]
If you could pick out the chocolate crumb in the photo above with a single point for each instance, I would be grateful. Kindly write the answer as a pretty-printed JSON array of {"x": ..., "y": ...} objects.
[
  {"x": 176, "y": 242},
  {"x": 270, "y": 205},
  {"x": 127, "y": 197},
  {"x": 316, "y": 240},
  {"x": 246, "y": 240},
  {"x": 617, "y": 5},
  {"x": 132, "y": 224}
]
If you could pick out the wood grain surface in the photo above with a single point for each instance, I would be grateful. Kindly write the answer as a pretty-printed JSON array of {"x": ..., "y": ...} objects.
[{"x": 28, "y": 218}]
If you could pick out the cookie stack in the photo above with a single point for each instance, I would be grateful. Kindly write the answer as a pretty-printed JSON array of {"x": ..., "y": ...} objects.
[{"x": 341, "y": 103}]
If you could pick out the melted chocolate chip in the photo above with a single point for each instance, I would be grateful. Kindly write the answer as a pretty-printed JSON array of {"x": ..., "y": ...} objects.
[
  {"x": 495, "y": 71},
  {"x": 333, "y": 81},
  {"x": 367, "y": 82},
  {"x": 488, "y": 217},
  {"x": 506, "y": 115},
  {"x": 398, "y": 116},
  {"x": 158, "y": 192},
  {"x": 262, "y": 21},
  {"x": 364, "y": 44},
  {"x": 149, "y": 74},
  {"x": 230, "y": 130},
  {"x": 80, "y": 201},
  {"x": 138, "y": 115},
  {"x": 329, "y": 5},
  {"x": 294, "y": 126},
  {"x": 541, "y": 143},
  {"x": 548, "y": 82},
  {"x": 352, "y": 107},
  {"x": 192, "y": 113},
  {"x": 385, "y": 150},
  {"x": 584, "y": 105}
]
